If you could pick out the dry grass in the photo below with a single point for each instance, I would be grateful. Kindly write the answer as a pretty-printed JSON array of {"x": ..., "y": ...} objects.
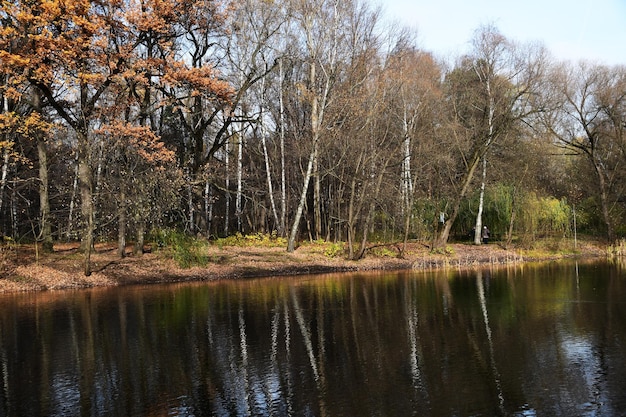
[{"x": 24, "y": 269}]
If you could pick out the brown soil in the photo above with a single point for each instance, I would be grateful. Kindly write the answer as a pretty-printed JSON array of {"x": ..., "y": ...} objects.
[{"x": 24, "y": 269}]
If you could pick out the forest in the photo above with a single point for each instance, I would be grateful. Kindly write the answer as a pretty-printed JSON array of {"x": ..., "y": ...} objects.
[{"x": 300, "y": 119}]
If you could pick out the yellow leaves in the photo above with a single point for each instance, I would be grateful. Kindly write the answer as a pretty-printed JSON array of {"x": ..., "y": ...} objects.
[
  {"x": 50, "y": 8},
  {"x": 91, "y": 78},
  {"x": 34, "y": 125},
  {"x": 30, "y": 126},
  {"x": 8, "y": 122}
]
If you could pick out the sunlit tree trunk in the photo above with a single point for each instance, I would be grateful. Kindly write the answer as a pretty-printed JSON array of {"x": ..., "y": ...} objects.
[
  {"x": 509, "y": 235},
  {"x": 291, "y": 243},
  {"x": 139, "y": 242},
  {"x": 227, "y": 185},
  {"x": 317, "y": 197},
  {"x": 479, "y": 216},
  {"x": 5, "y": 161},
  {"x": 44, "y": 201},
  {"x": 3, "y": 178},
  {"x": 283, "y": 182},
  {"x": 239, "y": 193}
]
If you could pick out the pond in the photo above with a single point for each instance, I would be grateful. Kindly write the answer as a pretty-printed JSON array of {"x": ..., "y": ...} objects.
[{"x": 545, "y": 339}]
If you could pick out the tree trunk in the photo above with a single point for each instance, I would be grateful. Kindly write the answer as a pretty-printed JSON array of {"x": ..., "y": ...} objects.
[
  {"x": 352, "y": 218},
  {"x": 70, "y": 217},
  {"x": 444, "y": 235},
  {"x": 479, "y": 216},
  {"x": 86, "y": 194},
  {"x": 268, "y": 171},
  {"x": 3, "y": 178},
  {"x": 190, "y": 206},
  {"x": 121, "y": 222},
  {"x": 509, "y": 236},
  {"x": 291, "y": 243},
  {"x": 227, "y": 185},
  {"x": 239, "y": 195},
  {"x": 604, "y": 201},
  {"x": 283, "y": 182},
  {"x": 317, "y": 198},
  {"x": 208, "y": 207},
  {"x": 44, "y": 201},
  {"x": 372, "y": 208},
  {"x": 141, "y": 231},
  {"x": 353, "y": 208}
]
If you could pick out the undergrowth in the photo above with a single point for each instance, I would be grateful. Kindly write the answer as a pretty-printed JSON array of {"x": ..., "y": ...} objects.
[
  {"x": 264, "y": 240},
  {"x": 617, "y": 249},
  {"x": 186, "y": 250}
]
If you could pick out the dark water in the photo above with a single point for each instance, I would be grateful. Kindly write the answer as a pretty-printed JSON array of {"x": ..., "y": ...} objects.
[{"x": 544, "y": 340}]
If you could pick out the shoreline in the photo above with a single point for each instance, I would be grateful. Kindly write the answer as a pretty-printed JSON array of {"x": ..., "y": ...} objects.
[{"x": 24, "y": 269}]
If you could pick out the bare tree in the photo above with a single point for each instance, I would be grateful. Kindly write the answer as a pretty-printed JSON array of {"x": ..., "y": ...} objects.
[
  {"x": 490, "y": 91},
  {"x": 586, "y": 118}
]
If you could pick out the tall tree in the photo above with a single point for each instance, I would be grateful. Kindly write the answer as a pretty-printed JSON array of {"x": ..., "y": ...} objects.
[
  {"x": 414, "y": 80},
  {"x": 586, "y": 118},
  {"x": 326, "y": 31},
  {"x": 489, "y": 92}
]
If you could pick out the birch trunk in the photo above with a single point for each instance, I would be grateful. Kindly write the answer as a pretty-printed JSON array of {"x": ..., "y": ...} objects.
[
  {"x": 317, "y": 197},
  {"x": 227, "y": 184},
  {"x": 238, "y": 198},
  {"x": 478, "y": 227},
  {"x": 291, "y": 243},
  {"x": 283, "y": 182},
  {"x": 3, "y": 178},
  {"x": 268, "y": 170}
]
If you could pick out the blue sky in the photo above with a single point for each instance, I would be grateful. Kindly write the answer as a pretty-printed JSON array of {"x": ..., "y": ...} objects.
[{"x": 594, "y": 30}]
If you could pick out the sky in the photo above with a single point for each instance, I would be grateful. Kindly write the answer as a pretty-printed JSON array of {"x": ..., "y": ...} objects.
[{"x": 593, "y": 30}]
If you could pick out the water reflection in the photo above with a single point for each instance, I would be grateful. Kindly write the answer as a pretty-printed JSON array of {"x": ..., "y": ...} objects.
[{"x": 530, "y": 340}]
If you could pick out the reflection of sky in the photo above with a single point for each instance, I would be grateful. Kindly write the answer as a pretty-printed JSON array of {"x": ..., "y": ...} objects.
[
  {"x": 65, "y": 394},
  {"x": 582, "y": 361}
]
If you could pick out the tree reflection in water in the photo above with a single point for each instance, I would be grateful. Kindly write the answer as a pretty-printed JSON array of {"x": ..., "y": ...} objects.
[{"x": 544, "y": 340}]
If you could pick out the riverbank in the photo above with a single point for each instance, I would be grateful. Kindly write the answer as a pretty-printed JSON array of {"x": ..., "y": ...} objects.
[{"x": 23, "y": 268}]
